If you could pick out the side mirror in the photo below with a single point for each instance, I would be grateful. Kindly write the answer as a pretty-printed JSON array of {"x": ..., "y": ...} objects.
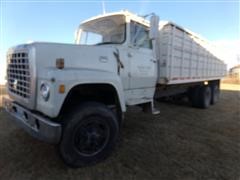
[{"x": 154, "y": 23}]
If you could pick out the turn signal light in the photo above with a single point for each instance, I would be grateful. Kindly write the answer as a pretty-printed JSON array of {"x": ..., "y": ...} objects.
[{"x": 61, "y": 88}]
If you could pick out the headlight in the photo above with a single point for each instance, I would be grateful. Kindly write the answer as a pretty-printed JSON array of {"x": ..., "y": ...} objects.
[{"x": 45, "y": 91}]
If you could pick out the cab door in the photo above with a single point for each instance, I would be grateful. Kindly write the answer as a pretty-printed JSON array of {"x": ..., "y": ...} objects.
[{"x": 143, "y": 65}]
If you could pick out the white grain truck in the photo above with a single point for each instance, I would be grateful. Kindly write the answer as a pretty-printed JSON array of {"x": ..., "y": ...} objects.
[{"x": 75, "y": 95}]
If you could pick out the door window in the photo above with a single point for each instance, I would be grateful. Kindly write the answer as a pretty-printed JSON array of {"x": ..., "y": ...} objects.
[{"x": 140, "y": 35}]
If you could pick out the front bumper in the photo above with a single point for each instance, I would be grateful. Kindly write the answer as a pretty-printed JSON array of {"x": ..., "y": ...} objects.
[{"x": 36, "y": 125}]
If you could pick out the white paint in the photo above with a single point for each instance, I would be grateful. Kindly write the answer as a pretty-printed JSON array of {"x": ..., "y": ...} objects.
[{"x": 186, "y": 57}]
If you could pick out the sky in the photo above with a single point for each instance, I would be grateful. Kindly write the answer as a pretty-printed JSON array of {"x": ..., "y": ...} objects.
[{"x": 23, "y": 21}]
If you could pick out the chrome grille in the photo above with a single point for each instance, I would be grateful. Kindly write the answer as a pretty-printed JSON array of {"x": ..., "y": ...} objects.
[{"x": 18, "y": 74}]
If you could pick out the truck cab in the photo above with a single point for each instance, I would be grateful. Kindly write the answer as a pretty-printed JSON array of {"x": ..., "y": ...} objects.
[
  {"x": 74, "y": 95},
  {"x": 128, "y": 35}
]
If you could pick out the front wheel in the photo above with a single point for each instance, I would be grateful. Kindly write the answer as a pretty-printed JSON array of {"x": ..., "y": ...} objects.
[{"x": 89, "y": 135}]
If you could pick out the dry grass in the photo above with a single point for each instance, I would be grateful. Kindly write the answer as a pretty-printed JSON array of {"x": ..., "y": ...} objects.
[
  {"x": 231, "y": 80},
  {"x": 181, "y": 143},
  {"x": 2, "y": 93},
  {"x": 230, "y": 87}
]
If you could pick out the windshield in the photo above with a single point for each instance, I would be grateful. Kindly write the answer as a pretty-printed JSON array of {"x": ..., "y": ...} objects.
[{"x": 107, "y": 30}]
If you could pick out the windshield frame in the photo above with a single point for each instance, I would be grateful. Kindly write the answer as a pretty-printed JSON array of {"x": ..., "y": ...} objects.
[{"x": 81, "y": 30}]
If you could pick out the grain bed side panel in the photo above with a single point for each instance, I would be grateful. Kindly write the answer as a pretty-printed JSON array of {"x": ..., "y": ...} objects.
[{"x": 184, "y": 57}]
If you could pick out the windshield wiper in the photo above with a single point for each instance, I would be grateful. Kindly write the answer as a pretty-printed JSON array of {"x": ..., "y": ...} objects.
[{"x": 110, "y": 42}]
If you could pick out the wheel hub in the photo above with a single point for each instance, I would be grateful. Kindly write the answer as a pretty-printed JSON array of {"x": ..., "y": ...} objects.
[{"x": 91, "y": 137}]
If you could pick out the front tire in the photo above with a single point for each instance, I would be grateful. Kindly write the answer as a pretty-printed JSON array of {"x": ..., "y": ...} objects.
[{"x": 89, "y": 135}]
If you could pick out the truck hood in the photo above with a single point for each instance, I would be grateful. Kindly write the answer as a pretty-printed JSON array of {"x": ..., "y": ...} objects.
[
  {"x": 41, "y": 59},
  {"x": 75, "y": 57}
]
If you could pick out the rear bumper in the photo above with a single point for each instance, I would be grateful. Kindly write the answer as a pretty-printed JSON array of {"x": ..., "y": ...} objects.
[{"x": 36, "y": 125}]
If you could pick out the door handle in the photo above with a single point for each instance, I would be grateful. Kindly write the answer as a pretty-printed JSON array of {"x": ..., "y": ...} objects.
[{"x": 153, "y": 60}]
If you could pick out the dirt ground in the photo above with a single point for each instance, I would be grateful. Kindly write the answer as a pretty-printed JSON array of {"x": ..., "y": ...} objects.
[{"x": 180, "y": 143}]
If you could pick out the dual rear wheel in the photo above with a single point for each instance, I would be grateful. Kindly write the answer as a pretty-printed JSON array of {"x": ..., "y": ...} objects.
[
  {"x": 204, "y": 96},
  {"x": 215, "y": 93}
]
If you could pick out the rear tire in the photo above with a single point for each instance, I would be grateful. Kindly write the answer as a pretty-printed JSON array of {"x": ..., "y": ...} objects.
[
  {"x": 204, "y": 97},
  {"x": 200, "y": 96},
  {"x": 193, "y": 96},
  {"x": 89, "y": 135},
  {"x": 215, "y": 93}
]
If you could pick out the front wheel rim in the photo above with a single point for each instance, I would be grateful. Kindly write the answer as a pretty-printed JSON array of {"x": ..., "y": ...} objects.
[{"x": 91, "y": 136}]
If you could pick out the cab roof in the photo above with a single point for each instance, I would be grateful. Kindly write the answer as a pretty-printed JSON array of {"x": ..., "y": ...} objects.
[
  {"x": 144, "y": 21},
  {"x": 123, "y": 12}
]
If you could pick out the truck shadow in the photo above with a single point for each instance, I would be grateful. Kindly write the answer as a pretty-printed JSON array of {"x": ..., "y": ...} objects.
[{"x": 181, "y": 100}]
